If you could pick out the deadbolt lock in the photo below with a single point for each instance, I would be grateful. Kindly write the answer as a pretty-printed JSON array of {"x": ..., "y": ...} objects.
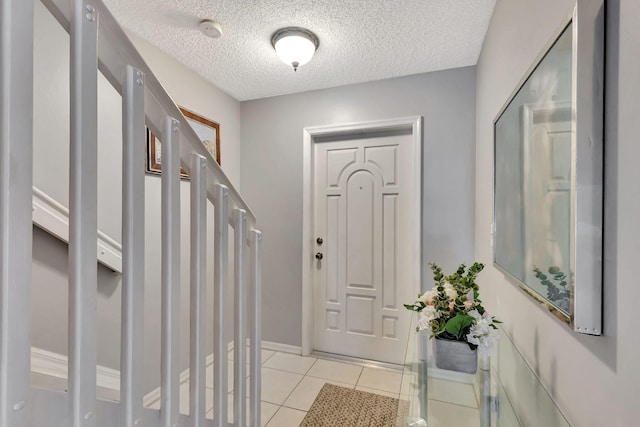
[
  {"x": 319, "y": 256},
  {"x": 319, "y": 240}
]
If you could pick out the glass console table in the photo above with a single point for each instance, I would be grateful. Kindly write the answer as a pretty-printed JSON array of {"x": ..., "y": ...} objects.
[
  {"x": 421, "y": 401},
  {"x": 504, "y": 392}
]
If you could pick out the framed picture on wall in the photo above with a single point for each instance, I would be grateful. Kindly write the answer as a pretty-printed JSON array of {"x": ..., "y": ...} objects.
[{"x": 207, "y": 130}]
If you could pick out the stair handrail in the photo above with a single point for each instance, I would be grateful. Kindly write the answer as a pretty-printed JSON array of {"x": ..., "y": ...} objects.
[{"x": 115, "y": 52}]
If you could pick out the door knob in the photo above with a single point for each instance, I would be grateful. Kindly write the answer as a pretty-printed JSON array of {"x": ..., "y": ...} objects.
[{"x": 319, "y": 255}]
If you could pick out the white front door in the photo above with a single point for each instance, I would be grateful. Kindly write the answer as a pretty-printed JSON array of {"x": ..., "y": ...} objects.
[{"x": 363, "y": 232}]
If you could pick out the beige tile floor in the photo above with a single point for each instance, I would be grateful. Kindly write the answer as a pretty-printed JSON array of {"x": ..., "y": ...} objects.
[{"x": 290, "y": 384}]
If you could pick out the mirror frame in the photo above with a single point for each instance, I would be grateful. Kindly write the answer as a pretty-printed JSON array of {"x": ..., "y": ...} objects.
[{"x": 587, "y": 167}]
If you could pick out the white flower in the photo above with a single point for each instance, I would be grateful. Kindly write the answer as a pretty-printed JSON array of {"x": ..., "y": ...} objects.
[
  {"x": 423, "y": 323},
  {"x": 481, "y": 333},
  {"x": 475, "y": 314},
  {"x": 427, "y": 297},
  {"x": 428, "y": 314},
  {"x": 450, "y": 291}
]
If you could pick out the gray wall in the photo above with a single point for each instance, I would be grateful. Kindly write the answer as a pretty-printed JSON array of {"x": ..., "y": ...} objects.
[
  {"x": 594, "y": 380},
  {"x": 271, "y": 173},
  {"x": 51, "y": 130}
]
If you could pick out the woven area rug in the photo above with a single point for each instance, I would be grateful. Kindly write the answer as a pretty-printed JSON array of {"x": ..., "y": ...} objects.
[{"x": 337, "y": 406}]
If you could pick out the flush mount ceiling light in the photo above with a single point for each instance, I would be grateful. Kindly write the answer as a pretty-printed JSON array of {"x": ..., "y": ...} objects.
[{"x": 294, "y": 46}]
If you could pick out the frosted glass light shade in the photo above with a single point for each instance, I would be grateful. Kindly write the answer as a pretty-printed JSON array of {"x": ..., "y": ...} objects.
[{"x": 294, "y": 46}]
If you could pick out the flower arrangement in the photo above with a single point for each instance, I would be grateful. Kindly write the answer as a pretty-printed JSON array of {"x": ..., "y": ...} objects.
[{"x": 452, "y": 309}]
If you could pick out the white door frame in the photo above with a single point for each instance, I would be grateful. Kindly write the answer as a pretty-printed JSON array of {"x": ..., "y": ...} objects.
[{"x": 414, "y": 124}]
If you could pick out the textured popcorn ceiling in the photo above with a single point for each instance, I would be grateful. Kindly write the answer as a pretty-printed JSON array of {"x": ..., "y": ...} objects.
[{"x": 360, "y": 40}]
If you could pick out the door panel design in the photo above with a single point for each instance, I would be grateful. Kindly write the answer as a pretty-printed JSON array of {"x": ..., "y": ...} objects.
[
  {"x": 360, "y": 312},
  {"x": 337, "y": 161},
  {"x": 331, "y": 255},
  {"x": 363, "y": 212},
  {"x": 386, "y": 158},
  {"x": 389, "y": 327},
  {"x": 389, "y": 244},
  {"x": 333, "y": 320},
  {"x": 360, "y": 229}
]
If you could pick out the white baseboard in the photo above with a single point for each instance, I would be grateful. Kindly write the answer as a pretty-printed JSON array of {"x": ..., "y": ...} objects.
[
  {"x": 53, "y": 217},
  {"x": 276, "y": 346},
  {"x": 285, "y": 348},
  {"x": 55, "y": 365},
  {"x": 154, "y": 395}
]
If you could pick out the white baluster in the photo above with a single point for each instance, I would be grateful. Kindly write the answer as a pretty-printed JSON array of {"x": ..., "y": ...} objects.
[
  {"x": 132, "y": 326},
  {"x": 16, "y": 145},
  {"x": 255, "y": 310},
  {"x": 170, "y": 310},
  {"x": 221, "y": 260},
  {"x": 83, "y": 215},
  {"x": 239, "y": 369},
  {"x": 198, "y": 292}
]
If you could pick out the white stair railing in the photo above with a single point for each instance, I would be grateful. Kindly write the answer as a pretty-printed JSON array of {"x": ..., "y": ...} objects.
[
  {"x": 16, "y": 114},
  {"x": 98, "y": 43}
]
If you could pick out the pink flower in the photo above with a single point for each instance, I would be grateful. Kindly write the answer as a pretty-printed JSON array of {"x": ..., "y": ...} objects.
[
  {"x": 470, "y": 302},
  {"x": 427, "y": 297}
]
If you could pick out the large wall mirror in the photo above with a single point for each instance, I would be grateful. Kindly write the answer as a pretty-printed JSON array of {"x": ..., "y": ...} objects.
[{"x": 548, "y": 171}]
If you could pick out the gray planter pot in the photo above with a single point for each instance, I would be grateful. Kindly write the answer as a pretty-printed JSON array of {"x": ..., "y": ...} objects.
[{"x": 455, "y": 356}]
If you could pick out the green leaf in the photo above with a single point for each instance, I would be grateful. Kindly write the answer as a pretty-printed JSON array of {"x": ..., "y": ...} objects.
[
  {"x": 411, "y": 307},
  {"x": 457, "y": 325},
  {"x": 554, "y": 270}
]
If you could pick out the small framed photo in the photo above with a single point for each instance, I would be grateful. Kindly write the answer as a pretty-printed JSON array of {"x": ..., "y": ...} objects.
[{"x": 206, "y": 129}]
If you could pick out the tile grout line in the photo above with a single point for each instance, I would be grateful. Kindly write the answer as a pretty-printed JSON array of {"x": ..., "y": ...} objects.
[
  {"x": 297, "y": 384},
  {"x": 289, "y": 395},
  {"x": 358, "y": 380},
  {"x": 306, "y": 374}
]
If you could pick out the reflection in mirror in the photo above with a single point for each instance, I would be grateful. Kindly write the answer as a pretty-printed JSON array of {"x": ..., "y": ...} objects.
[
  {"x": 548, "y": 174},
  {"x": 533, "y": 172}
]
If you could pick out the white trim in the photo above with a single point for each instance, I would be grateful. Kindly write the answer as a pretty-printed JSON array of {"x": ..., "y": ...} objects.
[
  {"x": 276, "y": 346},
  {"x": 284, "y": 348},
  {"x": 55, "y": 365},
  {"x": 53, "y": 217},
  {"x": 307, "y": 244},
  {"x": 308, "y": 135},
  {"x": 154, "y": 395}
]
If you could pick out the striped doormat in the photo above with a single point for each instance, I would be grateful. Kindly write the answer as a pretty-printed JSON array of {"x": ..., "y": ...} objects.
[{"x": 344, "y": 407}]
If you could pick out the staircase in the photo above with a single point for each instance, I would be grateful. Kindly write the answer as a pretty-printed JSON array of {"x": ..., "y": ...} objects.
[{"x": 97, "y": 43}]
